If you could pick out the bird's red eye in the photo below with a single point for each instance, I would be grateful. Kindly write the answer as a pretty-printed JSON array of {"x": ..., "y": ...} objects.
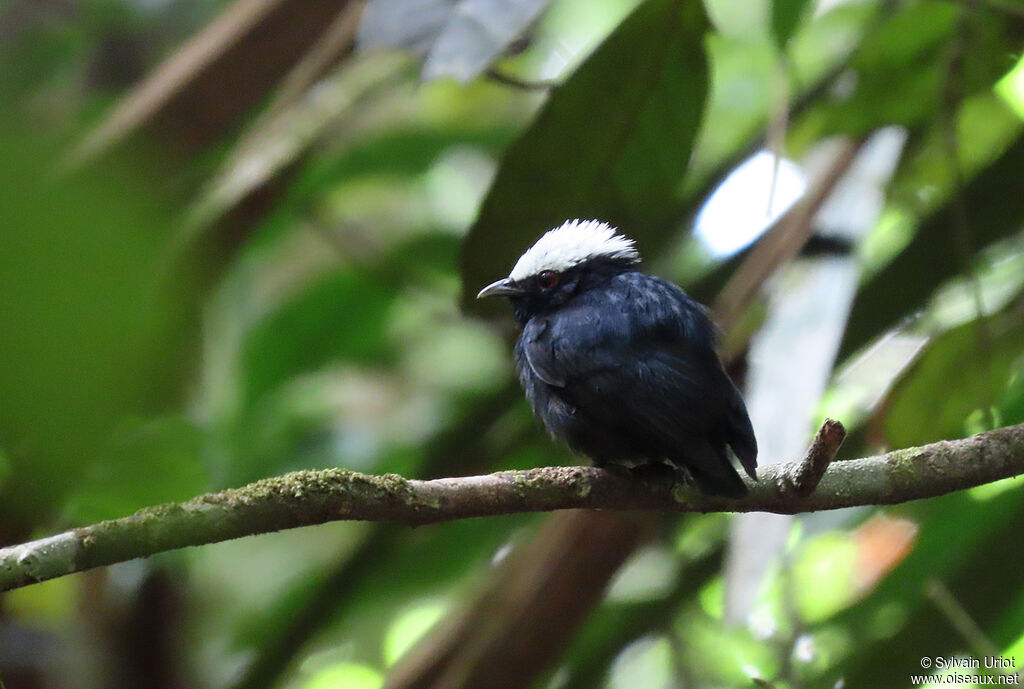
[{"x": 547, "y": 279}]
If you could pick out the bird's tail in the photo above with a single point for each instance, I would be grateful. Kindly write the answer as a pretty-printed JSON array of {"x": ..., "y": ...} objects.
[
  {"x": 709, "y": 465},
  {"x": 726, "y": 483},
  {"x": 740, "y": 434}
]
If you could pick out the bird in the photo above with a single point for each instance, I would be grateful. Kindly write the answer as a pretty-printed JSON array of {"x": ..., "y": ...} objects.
[{"x": 621, "y": 365}]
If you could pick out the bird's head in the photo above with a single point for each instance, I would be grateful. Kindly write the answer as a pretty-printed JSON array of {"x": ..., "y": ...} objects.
[{"x": 572, "y": 257}]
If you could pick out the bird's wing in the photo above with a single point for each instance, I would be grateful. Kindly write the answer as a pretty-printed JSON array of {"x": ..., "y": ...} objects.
[
  {"x": 535, "y": 345},
  {"x": 668, "y": 393},
  {"x": 741, "y": 434},
  {"x": 638, "y": 356},
  {"x": 638, "y": 360}
]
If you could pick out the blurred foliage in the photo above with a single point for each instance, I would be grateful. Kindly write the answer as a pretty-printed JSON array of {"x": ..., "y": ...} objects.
[
  {"x": 456, "y": 39},
  {"x": 964, "y": 371},
  {"x": 91, "y": 337},
  {"x": 642, "y": 93},
  {"x": 177, "y": 318},
  {"x": 786, "y": 17}
]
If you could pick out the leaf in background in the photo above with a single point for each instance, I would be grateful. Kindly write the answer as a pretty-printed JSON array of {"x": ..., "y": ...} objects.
[
  {"x": 341, "y": 317},
  {"x": 1011, "y": 406},
  {"x": 899, "y": 71},
  {"x": 89, "y": 334},
  {"x": 147, "y": 463},
  {"x": 459, "y": 38},
  {"x": 476, "y": 34},
  {"x": 613, "y": 143},
  {"x": 204, "y": 88},
  {"x": 397, "y": 154},
  {"x": 413, "y": 24},
  {"x": 922, "y": 60},
  {"x": 961, "y": 371},
  {"x": 933, "y": 256},
  {"x": 275, "y": 142},
  {"x": 960, "y": 540},
  {"x": 786, "y": 17}
]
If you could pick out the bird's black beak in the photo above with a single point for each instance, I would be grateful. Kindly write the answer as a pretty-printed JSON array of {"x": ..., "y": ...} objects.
[{"x": 502, "y": 288}]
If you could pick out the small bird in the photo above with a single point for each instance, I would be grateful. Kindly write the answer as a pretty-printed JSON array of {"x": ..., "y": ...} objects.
[{"x": 621, "y": 365}]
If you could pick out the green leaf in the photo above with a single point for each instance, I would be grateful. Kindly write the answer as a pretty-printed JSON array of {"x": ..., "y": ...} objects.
[
  {"x": 457, "y": 39},
  {"x": 275, "y": 141},
  {"x": 345, "y": 676},
  {"x": 89, "y": 333},
  {"x": 401, "y": 153},
  {"x": 900, "y": 71},
  {"x": 786, "y": 17},
  {"x": 613, "y": 143},
  {"x": 341, "y": 317},
  {"x": 147, "y": 463},
  {"x": 964, "y": 370},
  {"x": 958, "y": 543},
  {"x": 1011, "y": 406},
  {"x": 934, "y": 255},
  {"x": 410, "y": 626}
]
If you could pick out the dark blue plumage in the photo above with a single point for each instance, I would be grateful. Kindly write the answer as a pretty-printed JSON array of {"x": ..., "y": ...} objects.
[{"x": 621, "y": 365}]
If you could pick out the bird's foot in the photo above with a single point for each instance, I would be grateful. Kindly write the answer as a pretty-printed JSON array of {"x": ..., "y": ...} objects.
[
  {"x": 620, "y": 470},
  {"x": 656, "y": 475}
]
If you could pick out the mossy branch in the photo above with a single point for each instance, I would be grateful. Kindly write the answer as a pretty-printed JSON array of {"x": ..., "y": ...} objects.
[{"x": 315, "y": 497}]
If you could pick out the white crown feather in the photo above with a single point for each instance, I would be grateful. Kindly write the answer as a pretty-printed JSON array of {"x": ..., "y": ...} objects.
[{"x": 572, "y": 243}]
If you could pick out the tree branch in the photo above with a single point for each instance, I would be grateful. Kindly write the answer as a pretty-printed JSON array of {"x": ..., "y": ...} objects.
[
  {"x": 819, "y": 455},
  {"x": 314, "y": 497}
]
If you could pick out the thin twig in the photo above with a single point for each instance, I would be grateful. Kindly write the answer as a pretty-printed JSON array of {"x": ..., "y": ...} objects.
[
  {"x": 819, "y": 455},
  {"x": 171, "y": 77},
  {"x": 497, "y": 75},
  {"x": 304, "y": 498},
  {"x": 951, "y": 96},
  {"x": 962, "y": 621},
  {"x": 332, "y": 44},
  {"x": 995, "y": 6},
  {"x": 782, "y": 241}
]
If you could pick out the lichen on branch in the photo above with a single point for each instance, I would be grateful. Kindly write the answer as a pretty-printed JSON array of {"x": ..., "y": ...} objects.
[{"x": 304, "y": 498}]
